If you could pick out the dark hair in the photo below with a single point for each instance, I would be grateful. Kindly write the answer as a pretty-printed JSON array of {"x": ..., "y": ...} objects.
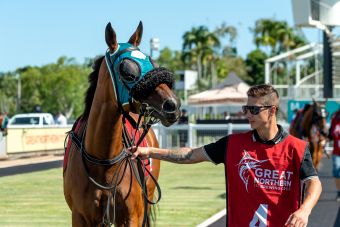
[
  {"x": 262, "y": 90},
  {"x": 265, "y": 91}
]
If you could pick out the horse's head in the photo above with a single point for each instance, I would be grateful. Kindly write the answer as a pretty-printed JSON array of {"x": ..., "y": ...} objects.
[
  {"x": 319, "y": 117},
  {"x": 137, "y": 81}
]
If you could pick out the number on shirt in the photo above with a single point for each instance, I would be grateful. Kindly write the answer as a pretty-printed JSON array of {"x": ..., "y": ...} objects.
[{"x": 260, "y": 216}]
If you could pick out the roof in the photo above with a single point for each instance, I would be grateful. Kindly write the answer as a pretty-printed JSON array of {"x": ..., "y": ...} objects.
[{"x": 232, "y": 90}]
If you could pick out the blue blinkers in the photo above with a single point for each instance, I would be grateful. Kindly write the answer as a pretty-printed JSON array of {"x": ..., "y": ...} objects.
[{"x": 127, "y": 66}]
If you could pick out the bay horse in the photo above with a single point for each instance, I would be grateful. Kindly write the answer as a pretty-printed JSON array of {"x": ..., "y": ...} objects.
[
  {"x": 310, "y": 124},
  {"x": 127, "y": 92}
]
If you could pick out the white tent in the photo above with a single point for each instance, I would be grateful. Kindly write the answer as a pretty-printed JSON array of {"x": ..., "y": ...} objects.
[{"x": 232, "y": 91}]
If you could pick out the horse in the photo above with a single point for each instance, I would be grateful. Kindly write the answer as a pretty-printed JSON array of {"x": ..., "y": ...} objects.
[
  {"x": 127, "y": 92},
  {"x": 310, "y": 124}
]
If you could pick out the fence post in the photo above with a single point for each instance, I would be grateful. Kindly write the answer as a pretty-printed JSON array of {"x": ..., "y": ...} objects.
[
  {"x": 3, "y": 145},
  {"x": 190, "y": 137},
  {"x": 230, "y": 128}
]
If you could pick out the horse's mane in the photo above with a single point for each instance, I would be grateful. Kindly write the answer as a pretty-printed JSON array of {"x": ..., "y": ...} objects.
[{"x": 92, "y": 78}]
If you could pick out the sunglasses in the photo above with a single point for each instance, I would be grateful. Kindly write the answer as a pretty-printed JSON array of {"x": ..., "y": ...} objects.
[{"x": 254, "y": 110}]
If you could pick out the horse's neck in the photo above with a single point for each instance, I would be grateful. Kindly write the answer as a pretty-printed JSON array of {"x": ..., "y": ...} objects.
[
  {"x": 306, "y": 122},
  {"x": 104, "y": 127}
]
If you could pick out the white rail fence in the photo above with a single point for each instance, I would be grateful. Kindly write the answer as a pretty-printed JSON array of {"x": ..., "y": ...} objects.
[
  {"x": 189, "y": 135},
  {"x": 196, "y": 135}
]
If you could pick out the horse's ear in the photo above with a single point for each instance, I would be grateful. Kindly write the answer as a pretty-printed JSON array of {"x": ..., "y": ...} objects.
[
  {"x": 110, "y": 37},
  {"x": 136, "y": 38}
]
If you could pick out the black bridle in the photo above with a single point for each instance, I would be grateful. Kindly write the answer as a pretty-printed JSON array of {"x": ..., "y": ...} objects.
[
  {"x": 319, "y": 114},
  {"x": 123, "y": 160}
]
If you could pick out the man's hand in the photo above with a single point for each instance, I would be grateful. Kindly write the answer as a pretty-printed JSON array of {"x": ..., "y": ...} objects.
[
  {"x": 298, "y": 219},
  {"x": 141, "y": 152}
]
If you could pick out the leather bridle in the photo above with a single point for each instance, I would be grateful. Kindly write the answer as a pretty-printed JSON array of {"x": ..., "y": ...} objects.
[{"x": 123, "y": 160}]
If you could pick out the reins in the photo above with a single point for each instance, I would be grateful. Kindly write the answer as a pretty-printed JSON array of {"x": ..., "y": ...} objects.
[{"x": 123, "y": 160}]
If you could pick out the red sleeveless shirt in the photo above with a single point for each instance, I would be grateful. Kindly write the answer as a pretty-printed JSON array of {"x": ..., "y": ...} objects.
[{"x": 263, "y": 180}]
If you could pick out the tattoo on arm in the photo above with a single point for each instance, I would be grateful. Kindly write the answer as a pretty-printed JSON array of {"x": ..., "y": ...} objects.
[{"x": 178, "y": 155}]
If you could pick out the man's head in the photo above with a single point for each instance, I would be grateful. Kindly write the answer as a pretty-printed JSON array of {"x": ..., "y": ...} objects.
[{"x": 262, "y": 105}]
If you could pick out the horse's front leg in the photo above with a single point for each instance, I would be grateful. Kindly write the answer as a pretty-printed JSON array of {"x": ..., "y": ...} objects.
[
  {"x": 135, "y": 221},
  {"x": 78, "y": 220}
]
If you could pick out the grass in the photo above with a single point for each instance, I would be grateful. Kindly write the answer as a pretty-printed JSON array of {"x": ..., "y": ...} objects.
[{"x": 190, "y": 194}]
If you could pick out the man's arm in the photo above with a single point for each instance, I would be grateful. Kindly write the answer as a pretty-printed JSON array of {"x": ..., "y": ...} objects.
[
  {"x": 312, "y": 194},
  {"x": 183, "y": 155}
]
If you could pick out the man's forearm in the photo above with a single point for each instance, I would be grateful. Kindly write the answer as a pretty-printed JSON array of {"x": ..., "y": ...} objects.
[
  {"x": 183, "y": 155},
  {"x": 312, "y": 194}
]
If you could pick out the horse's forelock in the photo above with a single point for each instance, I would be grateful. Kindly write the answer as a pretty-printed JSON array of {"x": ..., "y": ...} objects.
[{"x": 92, "y": 78}]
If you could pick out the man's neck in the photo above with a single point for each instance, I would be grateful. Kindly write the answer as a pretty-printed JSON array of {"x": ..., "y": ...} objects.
[{"x": 268, "y": 132}]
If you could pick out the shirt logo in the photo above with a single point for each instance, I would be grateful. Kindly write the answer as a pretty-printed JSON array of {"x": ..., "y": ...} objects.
[
  {"x": 265, "y": 178},
  {"x": 245, "y": 165}
]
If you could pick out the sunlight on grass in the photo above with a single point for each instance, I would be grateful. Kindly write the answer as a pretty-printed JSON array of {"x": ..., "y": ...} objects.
[{"x": 190, "y": 194}]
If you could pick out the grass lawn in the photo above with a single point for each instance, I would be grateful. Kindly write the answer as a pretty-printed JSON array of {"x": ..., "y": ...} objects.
[{"x": 190, "y": 194}]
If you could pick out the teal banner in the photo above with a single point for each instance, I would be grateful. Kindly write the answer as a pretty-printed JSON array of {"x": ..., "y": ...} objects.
[{"x": 331, "y": 107}]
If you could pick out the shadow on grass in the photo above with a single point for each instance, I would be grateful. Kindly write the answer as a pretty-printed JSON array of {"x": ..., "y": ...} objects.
[
  {"x": 8, "y": 171},
  {"x": 222, "y": 196},
  {"x": 192, "y": 188}
]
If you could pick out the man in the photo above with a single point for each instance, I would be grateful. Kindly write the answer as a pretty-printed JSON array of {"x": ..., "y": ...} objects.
[
  {"x": 264, "y": 167},
  {"x": 334, "y": 134},
  {"x": 4, "y": 121},
  {"x": 61, "y": 119},
  {"x": 183, "y": 135}
]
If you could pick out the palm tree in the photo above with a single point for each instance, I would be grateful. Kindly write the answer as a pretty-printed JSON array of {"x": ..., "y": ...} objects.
[
  {"x": 198, "y": 47},
  {"x": 277, "y": 35},
  {"x": 230, "y": 32}
]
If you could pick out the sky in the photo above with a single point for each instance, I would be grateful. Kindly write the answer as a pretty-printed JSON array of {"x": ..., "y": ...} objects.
[{"x": 38, "y": 32}]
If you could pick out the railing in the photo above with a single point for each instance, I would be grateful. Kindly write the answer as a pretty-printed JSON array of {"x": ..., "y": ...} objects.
[{"x": 196, "y": 135}]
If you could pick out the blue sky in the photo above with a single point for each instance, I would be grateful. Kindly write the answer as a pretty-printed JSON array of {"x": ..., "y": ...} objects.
[{"x": 37, "y": 32}]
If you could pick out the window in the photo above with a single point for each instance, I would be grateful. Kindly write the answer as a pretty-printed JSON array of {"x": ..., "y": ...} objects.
[{"x": 25, "y": 121}]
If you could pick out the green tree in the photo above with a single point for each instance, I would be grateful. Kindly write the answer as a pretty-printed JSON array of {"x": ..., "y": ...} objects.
[
  {"x": 255, "y": 66},
  {"x": 230, "y": 33},
  {"x": 198, "y": 48},
  {"x": 54, "y": 87},
  {"x": 278, "y": 36},
  {"x": 8, "y": 92},
  {"x": 226, "y": 65},
  {"x": 172, "y": 60}
]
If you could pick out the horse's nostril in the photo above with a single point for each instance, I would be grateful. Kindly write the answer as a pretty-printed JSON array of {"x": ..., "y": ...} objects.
[{"x": 169, "y": 105}]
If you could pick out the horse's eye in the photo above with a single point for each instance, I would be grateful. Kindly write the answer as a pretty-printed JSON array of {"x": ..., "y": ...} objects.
[{"x": 129, "y": 70}]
